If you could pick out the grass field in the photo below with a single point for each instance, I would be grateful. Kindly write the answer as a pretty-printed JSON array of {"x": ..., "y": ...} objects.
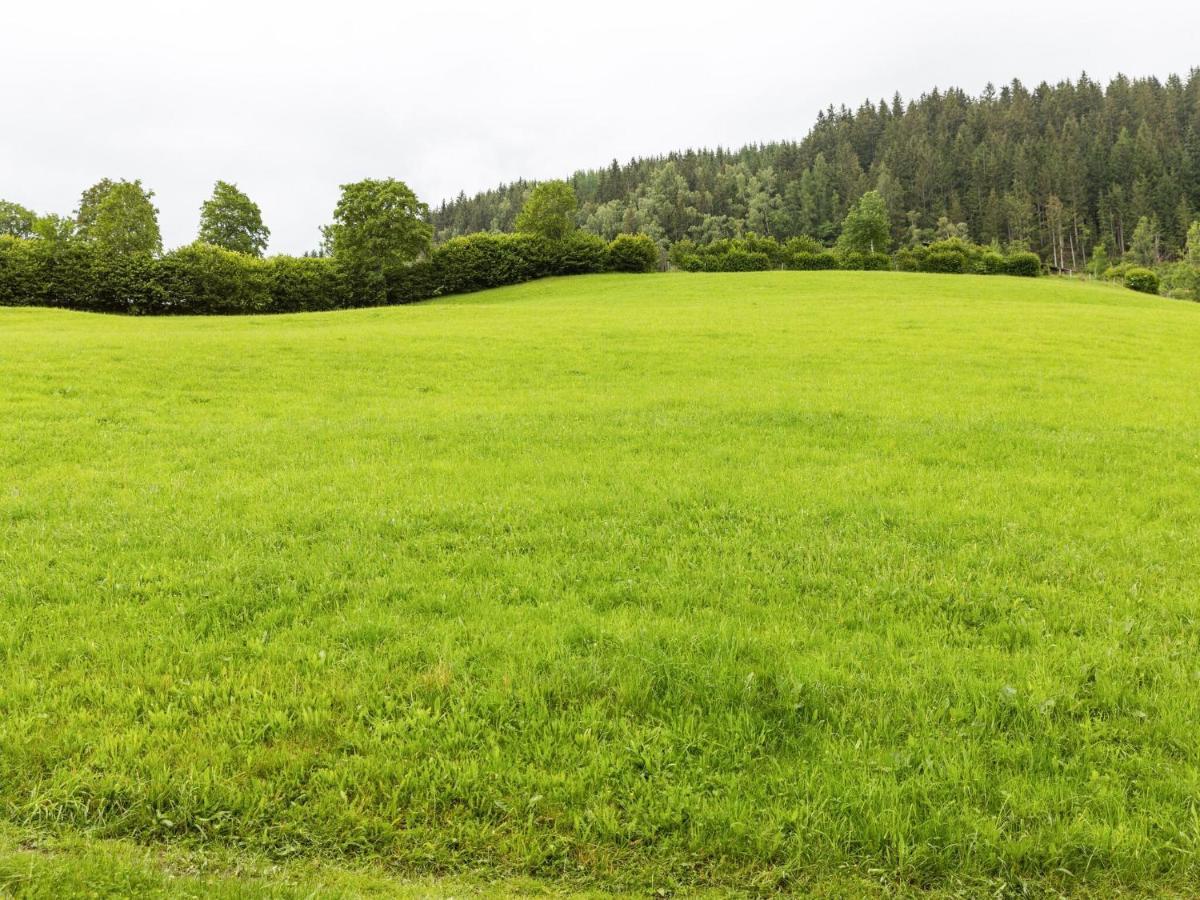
[{"x": 830, "y": 582}]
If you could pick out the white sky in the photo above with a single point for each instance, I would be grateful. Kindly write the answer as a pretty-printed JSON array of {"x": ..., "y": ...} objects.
[{"x": 289, "y": 100}]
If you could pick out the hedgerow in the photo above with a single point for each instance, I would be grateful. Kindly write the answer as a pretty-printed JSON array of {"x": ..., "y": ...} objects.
[
  {"x": 204, "y": 279},
  {"x": 953, "y": 255}
]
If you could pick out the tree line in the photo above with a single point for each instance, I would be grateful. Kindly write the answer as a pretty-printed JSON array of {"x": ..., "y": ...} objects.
[
  {"x": 1064, "y": 170},
  {"x": 379, "y": 249}
]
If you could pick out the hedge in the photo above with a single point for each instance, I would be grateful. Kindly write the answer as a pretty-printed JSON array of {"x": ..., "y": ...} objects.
[
  {"x": 1143, "y": 280},
  {"x": 633, "y": 253},
  {"x": 804, "y": 253},
  {"x": 203, "y": 279}
]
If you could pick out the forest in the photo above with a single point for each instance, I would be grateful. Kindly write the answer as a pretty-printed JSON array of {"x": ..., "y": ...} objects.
[{"x": 1063, "y": 169}]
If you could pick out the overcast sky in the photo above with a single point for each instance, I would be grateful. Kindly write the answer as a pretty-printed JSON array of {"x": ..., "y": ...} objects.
[{"x": 289, "y": 100}]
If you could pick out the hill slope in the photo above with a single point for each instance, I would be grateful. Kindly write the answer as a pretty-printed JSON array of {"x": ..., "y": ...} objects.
[
  {"x": 759, "y": 580},
  {"x": 1063, "y": 167}
]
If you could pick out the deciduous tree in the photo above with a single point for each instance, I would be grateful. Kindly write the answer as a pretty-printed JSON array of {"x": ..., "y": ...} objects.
[
  {"x": 867, "y": 228},
  {"x": 232, "y": 220},
  {"x": 549, "y": 211},
  {"x": 16, "y": 220},
  {"x": 120, "y": 217}
]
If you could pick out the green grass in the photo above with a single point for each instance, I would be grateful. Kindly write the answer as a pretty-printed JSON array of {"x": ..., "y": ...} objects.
[{"x": 757, "y": 582}]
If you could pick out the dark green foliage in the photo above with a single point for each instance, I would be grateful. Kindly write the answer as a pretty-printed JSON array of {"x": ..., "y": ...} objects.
[
  {"x": 201, "y": 278},
  {"x": 768, "y": 246},
  {"x": 580, "y": 253},
  {"x": 305, "y": 284},
  {"x": 379, "y": 229},
  {"x": 737, "y": 260},
  {"x": 808, "y": 261},
  {"x": 1066, "y": 167},
  {"x": 75, "y": 275},
  {"x": 1024, "y": 264},
  {"x": 1144, "y": 246},
  {"x": 1143, "y": 280},
  {"x": 860, "y": 261},
  {"x": 123, "y": 283},
  {"x": 944, "y": 261},
  {"x": 232, "y": 220},
  {"x": 993, "y": 263},
  {"x": 746, "y": 254},
  {"x": 956, "y": 255},
  {"x": 480, "y": 261},
  {"x": 21, "y": 281},
  {"x": 632, "y": 253},
  {"x": 802, "y": 244}
]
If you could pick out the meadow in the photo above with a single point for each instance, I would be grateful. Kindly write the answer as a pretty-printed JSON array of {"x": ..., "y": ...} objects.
[{"x": 827, "y": 582}]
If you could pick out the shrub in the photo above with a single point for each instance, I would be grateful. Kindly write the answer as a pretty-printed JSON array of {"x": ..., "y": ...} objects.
[
  {"x": 21, "y": 276},
  {"x": 945, "y": 261},
  {"x": 805, "y": 261},
  {"x": 1143, "y": 280},
  {"x": 854, "y": 260},
  {"x": 580, "y": 253},
  {"x": 1181, "y": 280},
  {"x": 411, "y": 283},
  {"x": 479, "y": 261},
  {"x": 767, "y": 246},
  {"x": 802, "y": 244},
  {"x": 121, "y": 283},
  {"x": 632, "y": 253},
  {"x": 298, "y": 284},
  {"x": 910, "y": 259},
  {"x": 737, "y": 260},
  {"x": 681, "y": 251},
  {"x": 1023, "y": 264},
  {"x": 993, "y": 263},
  {"x": 202, "y": 278}
]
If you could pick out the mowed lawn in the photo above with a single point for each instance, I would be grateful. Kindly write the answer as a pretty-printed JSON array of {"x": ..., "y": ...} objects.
[{"x": 831, "y": 582}]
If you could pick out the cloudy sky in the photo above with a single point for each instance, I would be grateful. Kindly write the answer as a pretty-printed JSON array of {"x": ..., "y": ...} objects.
[{"x": 289, "y": 100}]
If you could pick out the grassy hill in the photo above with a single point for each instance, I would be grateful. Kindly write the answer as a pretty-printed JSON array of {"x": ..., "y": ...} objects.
[{"x": 771, "y": 581}]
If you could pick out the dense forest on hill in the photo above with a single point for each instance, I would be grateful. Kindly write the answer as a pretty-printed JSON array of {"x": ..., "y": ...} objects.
[{"x": 1062, "y": 168}]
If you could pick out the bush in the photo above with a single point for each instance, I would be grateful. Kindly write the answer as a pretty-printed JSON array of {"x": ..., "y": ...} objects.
[
  {"x": 1143, "y": 280},
  {"x": 767, "y": 246},
  {"x": 737, "y": 260},
  {"x": 298, "y": 284},
  {"x": 1181, "y": 281},
  {"x": 808, "y": 262},
  {"x": 1023, "y": 264},
  {"x": 685, "y": 250},
  {"x": 854, "y": 260},
  {"x": 123, "y": 284},
  {"x": 632, "y": 253},
  {"x": 910, "y": 259},
  {"x": 580, "y": 253},
  {"x": 945, "y": 261},
  {"x": 802, "y": 244},
  {"x": 993, "y": 263},
  {"x": 21, "y": 276},
  {"x": 480, "y": 261},
  {"x": 204, "y": 279}
]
